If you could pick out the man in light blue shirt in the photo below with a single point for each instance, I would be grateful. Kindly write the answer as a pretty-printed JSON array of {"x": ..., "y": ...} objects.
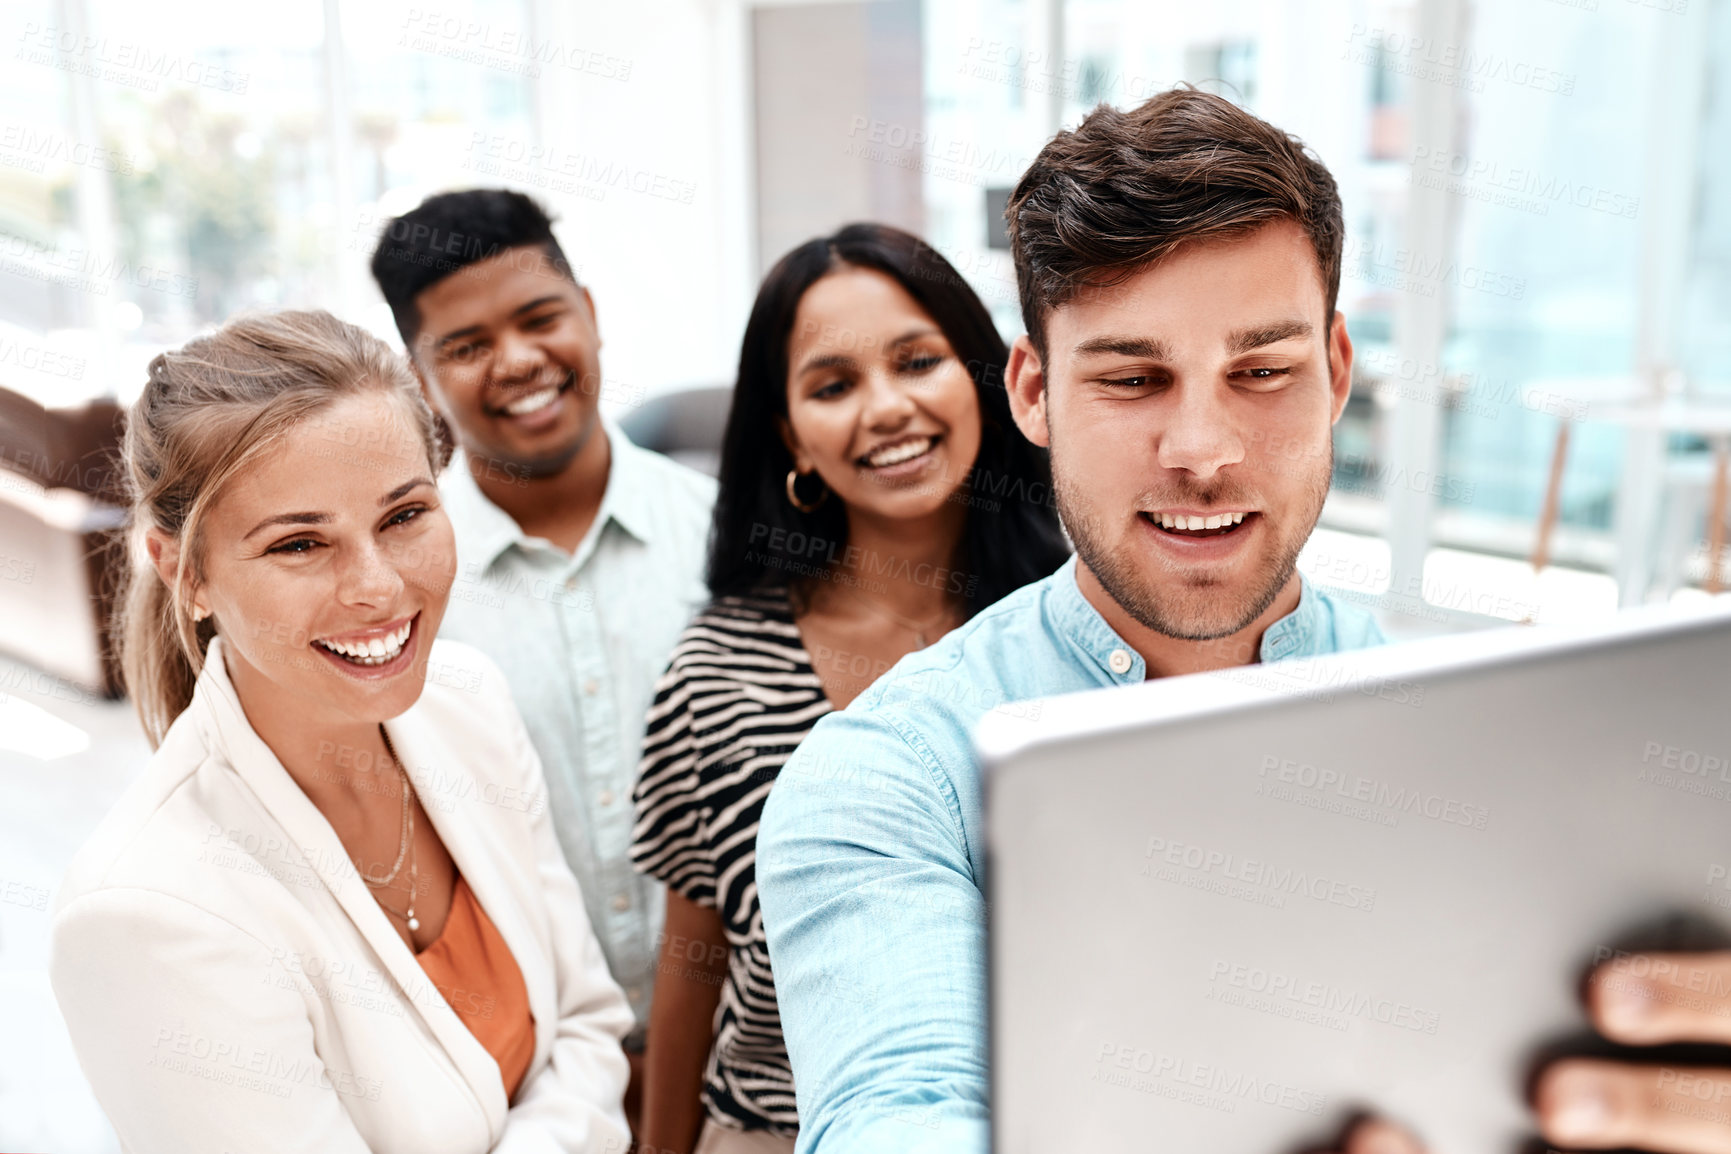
[
  {"x": 1184, "y": 363},
  {"x": 580, "y": 555}
]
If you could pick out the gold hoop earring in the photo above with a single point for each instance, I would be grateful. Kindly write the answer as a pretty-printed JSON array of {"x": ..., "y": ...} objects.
[{"x": 793, "y": 495}]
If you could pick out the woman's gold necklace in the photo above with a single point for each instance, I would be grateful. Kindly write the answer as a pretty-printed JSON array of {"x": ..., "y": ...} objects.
[
  {"x": 918, "y": 629},
  {"x": 405, "y": 846}
]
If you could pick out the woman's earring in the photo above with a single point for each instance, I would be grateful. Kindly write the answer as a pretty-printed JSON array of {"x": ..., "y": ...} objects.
[
  {"x": 794, "y": 475},
  {"x": 199, "y": 615}
]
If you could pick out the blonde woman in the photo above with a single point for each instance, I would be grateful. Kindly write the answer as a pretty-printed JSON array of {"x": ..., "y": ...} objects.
[{"x": 331, "y": 915}]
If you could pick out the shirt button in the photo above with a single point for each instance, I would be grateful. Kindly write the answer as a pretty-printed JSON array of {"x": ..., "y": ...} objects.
[
  {"x": 590, "y": 686},
  {"x": 1119, "y": 661},
  {"x": 621, "y": 902},
  {"x": 634, "y": 993},
  {"x": 606, "y": 797}
]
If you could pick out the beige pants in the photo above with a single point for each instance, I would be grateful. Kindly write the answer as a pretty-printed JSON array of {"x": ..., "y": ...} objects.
[{"x": 719, "y": 1140}]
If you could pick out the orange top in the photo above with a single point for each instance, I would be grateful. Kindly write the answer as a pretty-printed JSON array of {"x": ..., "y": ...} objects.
[{"x": 473, "y": 969}]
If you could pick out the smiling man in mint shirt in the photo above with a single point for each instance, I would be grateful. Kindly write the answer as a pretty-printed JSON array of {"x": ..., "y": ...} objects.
[
  {"x": 580, "y": 555},
  {"x": 1184, "y": 363}
]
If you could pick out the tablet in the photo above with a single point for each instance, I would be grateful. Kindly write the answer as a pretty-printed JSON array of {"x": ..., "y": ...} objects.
[{"x": 1229, "y": 910}]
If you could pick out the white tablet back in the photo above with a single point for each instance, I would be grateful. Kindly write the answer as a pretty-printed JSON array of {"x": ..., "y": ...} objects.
[{"x": 1227, "y": 910}]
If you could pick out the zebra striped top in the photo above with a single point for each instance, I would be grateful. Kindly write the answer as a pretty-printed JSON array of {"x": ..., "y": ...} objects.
[{"x": 737, "y": 698}]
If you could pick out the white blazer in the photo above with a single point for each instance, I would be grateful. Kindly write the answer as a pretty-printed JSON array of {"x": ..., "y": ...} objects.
[{"x": 231, "y": 985}]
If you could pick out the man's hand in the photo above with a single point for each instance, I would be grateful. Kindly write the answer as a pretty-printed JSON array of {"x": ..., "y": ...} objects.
[{"x": 1647, "y": 1000}]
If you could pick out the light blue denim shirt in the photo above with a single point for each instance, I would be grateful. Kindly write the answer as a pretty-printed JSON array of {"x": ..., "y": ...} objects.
[
  {"x": 870, "y": 859},
  {"x": 582, "y": 638}
]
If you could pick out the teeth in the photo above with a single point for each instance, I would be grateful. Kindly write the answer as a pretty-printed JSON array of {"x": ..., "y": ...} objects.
[
  {"x": 539, "y": 399},
  {"x": 374, "y": 650},
  {"x": 1185, "y": 523},
  {"x": 896, "y": 454}
]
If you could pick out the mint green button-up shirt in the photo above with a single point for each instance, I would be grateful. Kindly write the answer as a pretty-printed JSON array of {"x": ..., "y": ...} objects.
[{"x": 582, "y": 638}]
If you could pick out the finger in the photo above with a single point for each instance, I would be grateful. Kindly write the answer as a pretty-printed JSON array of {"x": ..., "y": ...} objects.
[
  {"x": 1379, "y": 1137},
  {"x": 1645, "y": 999},
  {"x": 1603, "y": 1105}
]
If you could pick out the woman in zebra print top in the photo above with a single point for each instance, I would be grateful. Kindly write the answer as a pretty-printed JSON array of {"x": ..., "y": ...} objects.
[{"x": 868, "y": 362}]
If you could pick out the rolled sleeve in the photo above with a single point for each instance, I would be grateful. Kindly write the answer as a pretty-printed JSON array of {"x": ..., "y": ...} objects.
[{"x": 876, "y": 929}]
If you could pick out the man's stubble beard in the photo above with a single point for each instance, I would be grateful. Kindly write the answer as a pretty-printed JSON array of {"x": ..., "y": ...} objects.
[{"x": 1186, "y": 610}]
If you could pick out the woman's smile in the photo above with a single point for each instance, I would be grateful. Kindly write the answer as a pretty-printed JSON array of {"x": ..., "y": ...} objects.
[
  {"x": 373, "y": 654},
  {"x": 900, "y": 457}
]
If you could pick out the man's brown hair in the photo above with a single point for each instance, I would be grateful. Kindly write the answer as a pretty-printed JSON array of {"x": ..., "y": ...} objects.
[{"x": 1122, "y": 190}]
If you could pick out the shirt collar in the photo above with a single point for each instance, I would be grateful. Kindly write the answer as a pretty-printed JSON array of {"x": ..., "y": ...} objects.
[
  {"x": 1294, "y": 635},
  {"x": 631, "y": 485},
  {"x": 487, "y": 531},
  {"x": 1299, "y": 633}
]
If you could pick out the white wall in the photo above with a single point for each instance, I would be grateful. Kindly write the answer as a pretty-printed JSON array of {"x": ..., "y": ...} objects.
[{"x": 661, "y": 226}]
